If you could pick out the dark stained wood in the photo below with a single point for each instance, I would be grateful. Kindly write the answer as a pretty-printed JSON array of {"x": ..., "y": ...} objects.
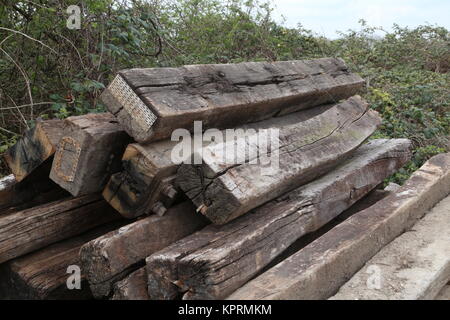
[
  {"x": 215, "y": 261},
  {"x": 24, "y": 231},
  {"x": 112, "y": 256},
  {"x": 307, "y": 149},
  {"x": 151, "y": 103},
  {"x": 321, "y": 268},
  {"x": 43, "y": 273},
  {"x": 133, "y": 287},
  {"x": 35, "y": 147},
  {"x": 34, "y": 190},
  {"x": 88, "y": 153},
  {"x": 369, "y": 200},
  {"x": 146, "y": 184}
]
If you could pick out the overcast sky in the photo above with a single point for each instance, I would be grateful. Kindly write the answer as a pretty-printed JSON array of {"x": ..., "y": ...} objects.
[{"x": 327, "y": 16}]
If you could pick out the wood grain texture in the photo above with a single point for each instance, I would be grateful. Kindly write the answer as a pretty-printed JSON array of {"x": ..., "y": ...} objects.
[
  {"x": 148, "y": 171},
  {"x": 89, "y": 151},
  {"x": 414, "y": 266},
  {"x": 223, "y": 190},
  {"x": 42, "y": 275},
  {"x": 35, "y": 147},
  {"x": 112, "y": 256},
  {"x": 34, "y": 190},
  {"x": 213, "y": 262},
  {"x": 321, "y": 268},
  {"x": 223, "y": 96},
  {"x": 133, "y": 287},
  {"x": 146, "y": 181},
  {"x": 24, "y": 231}
]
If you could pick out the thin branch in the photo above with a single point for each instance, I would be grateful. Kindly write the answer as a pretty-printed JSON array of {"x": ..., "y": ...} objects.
[
  {"x": 28, "y": 37},
  {"x": 10, "y": 132},
  {"x": 27, "y": 82},
  {"x": 27, "y": 105},
  {"x": 76, "y": 49}
]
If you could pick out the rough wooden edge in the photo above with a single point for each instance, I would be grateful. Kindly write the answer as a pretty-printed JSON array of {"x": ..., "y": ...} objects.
[
  {"x": 265, "y": 233},
  {"x": 323, "y": 266},
  {"x": 133, "y": 287},
  {"x": 41, "y": 140},
  {"x": 414, "y": 266}
]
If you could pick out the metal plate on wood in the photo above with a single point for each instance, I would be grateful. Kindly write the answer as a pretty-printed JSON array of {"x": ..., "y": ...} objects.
[
  {"x": 67, "y": 142},
  {"x": 131, "y": 102}
]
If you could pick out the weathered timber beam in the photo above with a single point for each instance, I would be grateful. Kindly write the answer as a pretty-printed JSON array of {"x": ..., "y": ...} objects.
[
  {"x": 370, "y": 199},
  {"x": 146, "y": 183},
  {"x": 414, "y": 266},
  {"x": 133, "y": 287},
  {"x": 24, "y": 231},
  {"x": 152, "y": 103},
  {"x": 215, "y": 261},
  {"x": 142, "y": 186},
  {"x": 35, "y": 147},
  {"x": 321, "y": 268},
  {"x": 32, "y": 191},
  {"x": 112, "y": 256},
  {"x": 223, "y": 191},
  {"x": 43, "y": 274},
  {"x": 89, "y": 151}
]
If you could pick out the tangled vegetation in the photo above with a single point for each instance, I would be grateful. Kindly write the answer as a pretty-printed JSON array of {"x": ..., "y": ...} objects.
[{"x": 50, "y": 71}]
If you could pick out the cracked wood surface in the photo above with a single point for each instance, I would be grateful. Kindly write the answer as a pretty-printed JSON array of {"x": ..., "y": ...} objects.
[
  {"x": 223, "y": 191},
  {"x": 213, "y": 262},
  {"x": 321, "y": 268},
  {"x": 89, "y": 151},
  {"x": 148, "y": 170},
  {"x": 147, "y": 180},
  {"x": 414, "y": 266},
  {"x": 112, "y": 256},
  {"x": 43, "y": 274},
  {"x": 24, "y": 231},
  {"x": 34, "y": 148},
  {"x": 224, "y": 96}
]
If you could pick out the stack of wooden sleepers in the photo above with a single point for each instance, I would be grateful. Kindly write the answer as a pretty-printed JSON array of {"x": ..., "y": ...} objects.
[{"x": 102, "y": 193}]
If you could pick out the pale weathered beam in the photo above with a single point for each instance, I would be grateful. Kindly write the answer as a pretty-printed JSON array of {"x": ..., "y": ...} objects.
[
  {"x": 89, "y": 151},
  {"x": 43, "y": 274},
  {"x": 321, "y": 268},
  {"x": 35, "y": 189},
  {"x": 223, "y": 190},
  {"x": 152, "y": 103},
  {"x": 217, "y": 260},
  {"x": 414, "y": 266},
  {"x": 24, "y": 231}
]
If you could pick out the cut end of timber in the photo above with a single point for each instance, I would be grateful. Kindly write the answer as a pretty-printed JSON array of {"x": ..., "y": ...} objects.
[
  {"x": 34, "y": 148},
  {"x": 304, "y": 150},
  {"x": 136, "y": 118},
  {"x": 151, "y": 103},
  {"x": 199, "y": 266},
  {"x": 120, "y": 195},
  {"x": 347, "y": 247},
  {"x": 88, "y": 153}
]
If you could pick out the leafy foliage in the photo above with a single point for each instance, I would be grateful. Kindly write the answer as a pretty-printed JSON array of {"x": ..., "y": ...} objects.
[{"x": 50, "y": 71}]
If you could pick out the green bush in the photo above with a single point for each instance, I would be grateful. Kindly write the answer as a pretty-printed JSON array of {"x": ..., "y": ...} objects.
[{"x": 49, "y": 71}]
